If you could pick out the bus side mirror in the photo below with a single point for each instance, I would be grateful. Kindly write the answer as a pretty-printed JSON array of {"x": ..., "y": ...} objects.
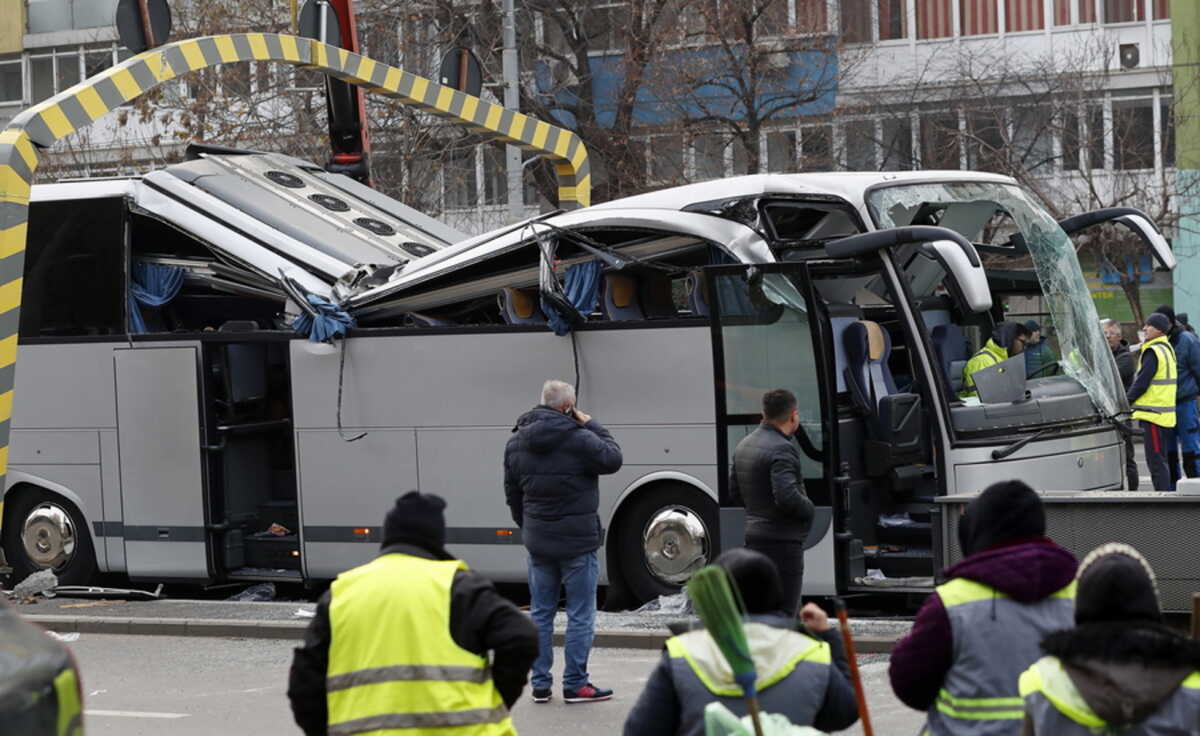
[{"x": 1134, "y": 219}]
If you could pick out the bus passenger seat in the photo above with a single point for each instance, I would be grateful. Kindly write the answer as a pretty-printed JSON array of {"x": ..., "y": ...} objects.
[
  {"x": 657, "y": 296},
  {"x": 841, "y": 316},
  {"x": 868, "y": 377},
  {"x": 619, "y": 299},
  {"x": 521, "y": 306},
  {"x": 697, "y": 296},
  {"x": 950, "y": 345}
]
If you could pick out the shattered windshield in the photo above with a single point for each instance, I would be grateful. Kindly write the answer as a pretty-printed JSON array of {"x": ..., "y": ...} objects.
[{"x": 990, "y": 212}]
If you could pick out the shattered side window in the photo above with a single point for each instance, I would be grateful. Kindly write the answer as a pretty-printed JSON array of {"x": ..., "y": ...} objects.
[{"x": 1086, "y": 356}]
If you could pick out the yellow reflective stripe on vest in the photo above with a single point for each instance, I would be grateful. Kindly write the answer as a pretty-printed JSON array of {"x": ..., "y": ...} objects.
[
  {"x": 1048, "y": 678},
  {"x": 70, "y": 710},
  {"x": 393, "y": 664},
  {"x": 987, "y": 709},
  {"x": 1192, "y": 682},
  {"x": 406, "y": 673},
  {"x": 958, "y": 591}
]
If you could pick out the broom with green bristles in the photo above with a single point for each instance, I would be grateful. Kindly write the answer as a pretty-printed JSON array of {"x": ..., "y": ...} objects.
[{"x": 719, "y": 605}]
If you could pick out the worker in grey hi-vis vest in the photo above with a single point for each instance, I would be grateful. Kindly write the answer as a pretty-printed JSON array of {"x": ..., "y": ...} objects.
[
  {"x": 802, "y": 672},
  {"x": 975, "y": 635},
  {"x": 1120, "y": 670}
]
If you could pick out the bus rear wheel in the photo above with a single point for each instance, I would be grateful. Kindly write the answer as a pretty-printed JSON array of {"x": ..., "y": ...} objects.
[
  {"x": 664, "y": 536},
  {"x": 43, "y": 531}
]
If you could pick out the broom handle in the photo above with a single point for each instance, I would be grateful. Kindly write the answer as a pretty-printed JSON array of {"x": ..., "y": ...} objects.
[
  {"x": 852, "y": 659},
  {"x": 752, "y": 708}
]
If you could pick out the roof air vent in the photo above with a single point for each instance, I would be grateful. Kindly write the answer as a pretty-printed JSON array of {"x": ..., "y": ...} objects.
[
  {"x": 284, "y": 179},
  {"x": 417, "y": 249},
  {"x": 379, "y": 228},
  {"x": 330, "y": 203}
]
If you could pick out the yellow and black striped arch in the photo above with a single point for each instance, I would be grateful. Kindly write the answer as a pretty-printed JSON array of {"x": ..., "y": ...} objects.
[{"x": 76, "y": 108}]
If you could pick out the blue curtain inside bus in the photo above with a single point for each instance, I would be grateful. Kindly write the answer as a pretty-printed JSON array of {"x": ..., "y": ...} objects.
[
  {"x": 581, "y": 285},
  {"x": 151, "y": 285},
  {"x": 328, "y": 322}
]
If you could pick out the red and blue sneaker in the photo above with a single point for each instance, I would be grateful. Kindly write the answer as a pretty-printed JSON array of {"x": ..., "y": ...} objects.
[{"x": 588, "y": 693}]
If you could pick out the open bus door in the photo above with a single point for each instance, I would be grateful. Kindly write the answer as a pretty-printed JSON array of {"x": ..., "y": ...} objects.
[{"x": 768, "y": 332}]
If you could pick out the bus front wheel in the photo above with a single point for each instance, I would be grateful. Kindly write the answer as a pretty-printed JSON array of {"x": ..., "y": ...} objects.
[
  {"x": 665, "y": 535},
  {"x": 43, "y": 531}
]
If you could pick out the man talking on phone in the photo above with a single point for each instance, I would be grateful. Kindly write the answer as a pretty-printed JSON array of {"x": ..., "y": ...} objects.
[{"x": 552, "y": 465}]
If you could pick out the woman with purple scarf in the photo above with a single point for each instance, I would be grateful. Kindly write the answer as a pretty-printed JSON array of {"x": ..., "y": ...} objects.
[{"x": 980, "y": 630}]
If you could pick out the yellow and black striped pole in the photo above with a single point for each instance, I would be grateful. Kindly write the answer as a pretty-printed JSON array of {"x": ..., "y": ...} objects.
[{"x": 76, "y": 108}]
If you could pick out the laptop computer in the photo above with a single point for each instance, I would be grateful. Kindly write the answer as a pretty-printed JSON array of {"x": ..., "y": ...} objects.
[{"x": 1002, "y": 383}]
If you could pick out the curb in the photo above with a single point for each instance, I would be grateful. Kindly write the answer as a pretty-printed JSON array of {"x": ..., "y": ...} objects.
[{"x": 295, "y": 630}]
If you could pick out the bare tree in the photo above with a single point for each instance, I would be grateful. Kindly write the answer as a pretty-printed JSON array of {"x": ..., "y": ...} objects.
[
  {"x": 1045, "y": 122},
  {"x": 750, "y": 63}
]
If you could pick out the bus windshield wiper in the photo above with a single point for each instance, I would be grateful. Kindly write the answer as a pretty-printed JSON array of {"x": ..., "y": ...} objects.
[{"x": 1004, "y": 452}]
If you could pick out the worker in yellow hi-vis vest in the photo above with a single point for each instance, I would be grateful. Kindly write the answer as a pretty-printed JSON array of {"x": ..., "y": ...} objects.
[
  {"x": 1152, "y": 397},
  {"x": 402, "y": 644}
]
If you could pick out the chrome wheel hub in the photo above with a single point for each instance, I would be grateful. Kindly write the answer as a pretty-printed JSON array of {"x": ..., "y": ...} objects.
[
  {"x": 675, "y": 542},
  {"x": 48, "y": 536}
]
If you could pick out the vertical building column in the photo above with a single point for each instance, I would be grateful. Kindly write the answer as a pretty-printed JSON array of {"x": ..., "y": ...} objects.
[{"x": 1185, "y": 43}]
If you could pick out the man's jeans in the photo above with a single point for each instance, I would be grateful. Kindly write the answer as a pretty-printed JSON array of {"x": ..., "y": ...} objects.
[
  {"x": 578, "y": 576},
  {"x": 1187, "y": 442}
]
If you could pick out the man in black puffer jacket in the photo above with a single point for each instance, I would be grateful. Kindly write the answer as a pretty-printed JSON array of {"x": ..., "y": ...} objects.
[
  {"x": 766, "y": 475},
  {"x": 551, "y": 468}
]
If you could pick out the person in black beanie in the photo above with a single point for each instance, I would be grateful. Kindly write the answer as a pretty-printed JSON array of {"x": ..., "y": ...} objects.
[
  {"x": 414, "y": 606},
  {"x": 1184, "y": 444},
  {"x": 1121, "y": 669},
  {"x": 975, "y": 635}
]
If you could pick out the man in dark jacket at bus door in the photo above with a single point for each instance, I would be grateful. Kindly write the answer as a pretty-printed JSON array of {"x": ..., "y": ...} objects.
[
  {"x": 1126, "y": 368},
  {"x": 979, "y": 630},
  {"x": 377, "y": 618},
  {"x": 766, "y": 477},
  {"x": 1187, "y": 422},
  {"x": 551, "y": 468}
]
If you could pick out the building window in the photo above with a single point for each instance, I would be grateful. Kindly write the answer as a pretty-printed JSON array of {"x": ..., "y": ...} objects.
[
  {"x": 781, "y": 150},
  {"x": 666, "y": 158},
  {"x": 935, "y": 19},
  {"x": 856, "y": 21},
  {"x": 811, "y": 16},
  {"x": 1033, "y": 138},
  {"x": 1062, "y": 12},
  {"x": 860, "y": 145},
  {"x": 1024, "y": 15},
  {"x": 459, "y": 188},
  {"x": 978, "y": 17},
  {"x": 890, "y": 18},
  {"x": 939, "y": 141},
  {"x": 1087, "y": 11},
  {"x": 1133, "y": 134},
  {"x": 1162, "y": 9},
  {"x": 96, "y": 61},
  {"x": 495, "y": 175},
  {"x": 773, "y": 20},
  {"x": 897, "y": 145},
  {"x": 11, "y": 87},
  {"x": 985, "y": 142},
  {"x": 816, "y": 148},
  {"x": 607, "y": 26},
  {"x": 1083, "y": 139},
  {"x": 46, "y": 16},
  {"x": 741, "y": 157},
  {"x": 709, "y": 152},
  {"x": 1123, "y": 11}
]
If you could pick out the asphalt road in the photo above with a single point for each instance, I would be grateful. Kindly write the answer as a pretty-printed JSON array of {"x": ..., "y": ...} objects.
[{"x": 201, "y": 686}]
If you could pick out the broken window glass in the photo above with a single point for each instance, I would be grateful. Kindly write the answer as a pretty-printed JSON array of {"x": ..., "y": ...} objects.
[{"x": 1086, "y": 356}]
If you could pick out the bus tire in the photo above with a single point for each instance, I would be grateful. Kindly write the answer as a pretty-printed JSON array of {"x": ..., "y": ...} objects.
[
  {"x": 43, "y": 531},
  {"x": 665, "y": 533}
]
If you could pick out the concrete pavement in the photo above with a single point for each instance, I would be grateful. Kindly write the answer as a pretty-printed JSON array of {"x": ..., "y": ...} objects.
[{"x": 186, "y": 686}]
